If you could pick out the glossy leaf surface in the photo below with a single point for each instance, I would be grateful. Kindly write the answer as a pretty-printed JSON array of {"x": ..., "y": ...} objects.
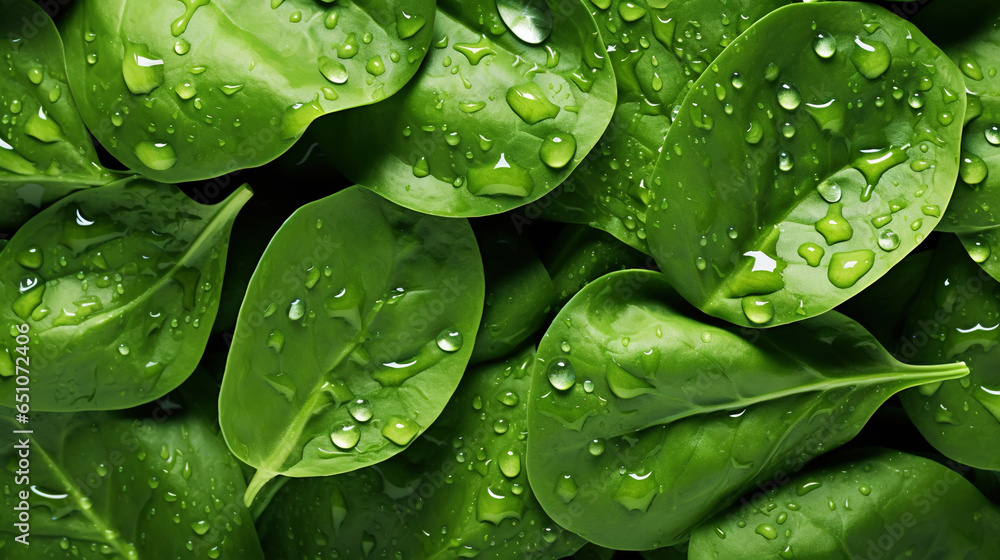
[
  {"x": 491, "y": 122},
  {"x": 659, "y": 49},
  {"x": 584, "y": 254},
  {"x": 634, "y": 394},
  {"x": 110, "y": 485},
  {"x": 353, "y": 335},
  {"x": 879, "y": 504},
  {"x": 822, "y": 202},
  {"x": 45, "y": 151},
  {"x": 956, "y": 316},
  {"x": 118, "y": 286},
  {"x": 181, "y": 91},
  {"x": 969, "y": 33},
  {"x": 460, "y": 491},
  {"x": 519, "y": 292}
]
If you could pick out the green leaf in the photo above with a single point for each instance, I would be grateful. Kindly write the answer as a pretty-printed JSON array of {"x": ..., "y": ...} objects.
[
  {"x": 45, "y": 151},
  {"x": 491, "y": 122},
  {"x": 878, "y": 504},
  {"x": 519, "y": 292},
  {"x": 581, "y": 255},
  {"x": 966, "y": 30},
  {"x": 465, "y": 475},
  {"x": 105, "y": 485},
  {"x": 353, "y": 335},
  {"x": 833, "y": 164},
  {"x": 118, "y": 287},
  {"x": 660, "y": 48},
  {"x": 182, "y": 91},
  {"x": 647, "y": 417},
  {"x": 955, "y": 317}
]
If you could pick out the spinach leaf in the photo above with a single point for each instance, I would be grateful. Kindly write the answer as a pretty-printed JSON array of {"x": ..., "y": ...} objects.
[
  {"x": 791, "y": 180},
  {"x": 119, "y": 286},
  {"x": 181, "y": 91},
  {"x": 647, "y": 417},
  {"x": 581, "y": 255},
  {"x": 494, "y": 119},
  {"x": 880, "y": 504},
  {"x": 967, "y": 31},
  {"x": 354, "y": 333},
  {"x": 106, "y": 485},
  {"x": 955, "y": 317},
  {"x": 460, "y": 491},
  {"x": 519, "y": 292},
  {"x": 657, "y": 48},
  {"x": 45, "y": 151}
]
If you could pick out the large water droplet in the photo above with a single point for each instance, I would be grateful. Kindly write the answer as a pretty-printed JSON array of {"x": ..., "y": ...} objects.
[
  {"x": 811, "y": 253},
  {"x": 993, "y": 134},
  {"x": 825, "y": 45},
  {"x": 833, "y": 227},
  {"x": 757, "y": 310},
  {"x": 558, "y": 150},
  {"x": 159, "y": 156},
  {"x": 847, "y": 268},
  {"x": 345, "y": 435},
  {"x": 561, "y": 374},
  {"x": 142, "y": 71},
  {"x": 360, "y": 409},
  {"x": 870, "y": 57},
  {"x": 296, "y": 309},
  {"x": 973, "y": 169},
  {"x": 333, "y": 70},
  {"x": 529, "y": 102},
  {"x": 400, "y": 431},
  {"x": 788, "y": 96},
  {"x": 566, "y": 488},
  {"x": 475, "y": 52},
  {"x": 510, "y": 464},
  {"x": 888, "y": 240},
  {"x": 829, "y": 190},
  {"x": 529, "y": 20},
  {"x": 504, "y": 178},
  {"x": 754, "y": 133},
  {"x": 407, "y": 26},
  {"x": 30, "y": 257},
  {"x": 450, "y": 340}
]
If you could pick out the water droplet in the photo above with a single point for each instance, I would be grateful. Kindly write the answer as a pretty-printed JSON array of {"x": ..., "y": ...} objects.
[
  {"x": 529, "y": 20},
  {"x": 450, "y": 340},
  {"x": 182, "y": 47},
  {"x": 825, "y": 45},
  {"x": 276, "y": 341},
  {"x": 811, "y": 253},
  {"x": 829, "y": 190},
  {"x": 503, "y": 178},
  {"x": 345, "y": 435},
  {"x": 349, "y": 48},
  {"x": 360, "y": 409},
  {"x": 888, "y": 240},
  {"x": 566, "y": 488},
  {"x": 561, "y": 374},
  {"x": 422, "y": 168},
  {"x": 123, "y": 350},
  {"x": 557, "y": 150},
  {"x": 785, "y": 161},
  {"x": 200, "y": 527},
  {"x": 510, "y": 464},
  {"x": 596, "y": 447},
  {"x": 333, "y": 70},
  {"x": 159, "y": 156},
  {"x": 631, "y": 12},
  {"x": 754, "y": 133},
  {"x": 970, "y": 68},
  {"x": 833, "y": 227},
  {"x": 848, "y": 267},
  {"x": 296, "y": 309},
  {"x": 298, "y": 117},
  {"x": 766, "y": 531},
  {"x": 915, "y": 100},
  {"x": 737, "y": 80},
  {"x": 529, "y": 102},
  {"x": 788, "y": 96},
  {"x": 407, "y": 26},
  {"x": 972, "y": 169},
  {"x": 993, "y": 134},
  {"x": 179, "y": 26},
  {"x": 865, "y": 490},
  {"x": 636, "y": 491},
  {"x": 979, "y": 250},
  {"x": 400, "y": 431},
  {"x": 30, "y": 257},
  {"x": 475, "y": 52},
  {"x": 870, "y": 57},
  {"x": 757, "y": 310},
  {"x": 375, "y": 66}
]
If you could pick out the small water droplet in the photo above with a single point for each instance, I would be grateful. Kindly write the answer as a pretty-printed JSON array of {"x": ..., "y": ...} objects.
[
  {"x": 296, "y": 309},
  {"x": 345, "y": 435},
  {"x": 561, "y": 374},
  {"x": 159, "y": 156},
  {"x": 888, "y": 240},
  {"x": 360, "y": 409},
  {"x": 788, "y": 96},
  {"x": 870, "y": 57},
  {"x": 825, "y": 45}
]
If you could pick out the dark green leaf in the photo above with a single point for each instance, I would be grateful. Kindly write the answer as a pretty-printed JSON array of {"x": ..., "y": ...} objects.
[
  {"x": 460, "y": 491},
  {"x": 119, "y": 286},
  {"x": 581, "y": 255},
  {"x": 491, "y": 122},
  {"x": 968, "y": 32},
  {"x": 881, "y": 504},
  {"x": 45, "y": 151},
  {"x": 831, "y": 163},
  {"x": 353, "y": 335},
  {"x": 956, "y": 316},
  {"x": 648, "y": 417},
  {"x": 659, "y": 49},
  {"x": 181, "y": 91},
  {"x": 105, "y": 485}
]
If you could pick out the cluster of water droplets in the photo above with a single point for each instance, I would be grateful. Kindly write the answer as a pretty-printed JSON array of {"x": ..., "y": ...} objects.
[{"x": 760, "y": 272}]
